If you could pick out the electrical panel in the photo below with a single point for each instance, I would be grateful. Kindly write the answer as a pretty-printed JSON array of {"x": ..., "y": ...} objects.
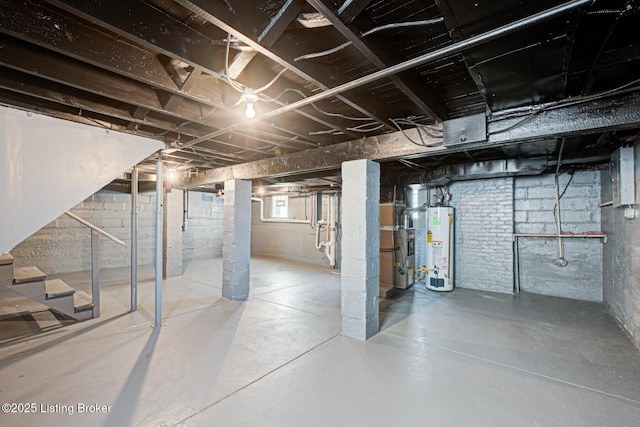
[{"x": 622, "y": 177}]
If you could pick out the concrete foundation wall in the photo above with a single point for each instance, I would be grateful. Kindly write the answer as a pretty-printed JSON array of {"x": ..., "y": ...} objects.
[
  {"x": 290, "y": 241},
  {"x": 534, "y": 213},
  {"x": 483, "y": 257},
  {"x": 621, "y": 258},
  {"x": 172, "y": 238},
  {"x": 64, "y": 245},
  {"x": 203, "y": 236}
]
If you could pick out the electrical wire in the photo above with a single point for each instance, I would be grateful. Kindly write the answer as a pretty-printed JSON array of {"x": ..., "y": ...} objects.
[
  {"x": 555, "y": 206},
  {"x": 299, "y": 92},
  {"x": 237, "y": 86},
  {"x": 367, "y": 33},
  {"x": 433, "y": 132},
  {"x": 566, "y": 186},
  {"x": 322, "y": 53},
  {"x": 361, "y": 128},
  {"x": 403, "y": 25},
  {"x": 268, "y": 85},
  {"x": 327, "y": 132},
  {"x": 564, "y": 103}
]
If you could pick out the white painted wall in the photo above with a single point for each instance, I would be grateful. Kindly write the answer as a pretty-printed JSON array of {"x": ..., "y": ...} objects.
[
  {"x": 203, "y": 236},
  {"x": 534, "y": 210},
  {"x": 64, "y": 245},
  {"x": 49, "y": 165},
  {"x": 290, "y": 241},
  {"x": 621, "y": 257}
]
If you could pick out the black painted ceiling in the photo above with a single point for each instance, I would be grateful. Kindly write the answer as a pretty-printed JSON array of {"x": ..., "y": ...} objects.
[{"x": 175, "y": 70}]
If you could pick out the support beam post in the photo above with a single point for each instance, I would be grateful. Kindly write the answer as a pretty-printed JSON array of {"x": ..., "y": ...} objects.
[
  {"x": 158, "y": 254},
  {"x": 236, "y": 243},
  {"x": 360, "y": 248},
  {"x": 134, "y": 239}
]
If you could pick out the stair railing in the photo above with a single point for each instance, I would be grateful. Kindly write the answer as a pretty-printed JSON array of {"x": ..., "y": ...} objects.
[{"x": 95, "y": 259}]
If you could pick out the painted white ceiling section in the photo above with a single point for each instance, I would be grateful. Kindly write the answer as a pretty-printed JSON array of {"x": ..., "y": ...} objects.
[{"x": 49, "y": 165}]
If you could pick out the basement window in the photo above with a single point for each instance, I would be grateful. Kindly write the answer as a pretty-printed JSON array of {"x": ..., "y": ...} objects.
[{"x": 280, "y": 207}]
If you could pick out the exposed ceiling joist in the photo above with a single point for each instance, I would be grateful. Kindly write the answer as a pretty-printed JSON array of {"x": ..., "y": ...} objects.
[
  {"x": 425, "y": 101},
  {"x": 382, "y": 147},
  {"x": 576, "y": 117},
  {"x": 173, "y": 39},
  {"x": 350, "y": 9},
  {"x": 269, "y": 35},
  {"x": 620, "y": 112},
  {"x": 423, "y": 59},
  {"x": 219, "y": 14}
]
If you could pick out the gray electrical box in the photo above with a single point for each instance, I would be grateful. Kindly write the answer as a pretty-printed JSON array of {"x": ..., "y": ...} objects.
[
  {"x": 465, "y": 130},
  {"x": 622, "y": 177}
]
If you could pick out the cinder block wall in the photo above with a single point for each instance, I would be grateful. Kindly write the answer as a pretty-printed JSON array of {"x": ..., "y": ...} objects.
[
  {"x": 290, "y": 241},
  {"x": 203, "y": 236},
  {"x": 621, "y": 278},
  {"x": 483, "y": 229},
  {"x": 64, "y": 245},
  {"x": 534, "y": 213}
]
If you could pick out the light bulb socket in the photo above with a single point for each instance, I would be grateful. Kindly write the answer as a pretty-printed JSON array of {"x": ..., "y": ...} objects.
[{"x": 249, "y": 97}]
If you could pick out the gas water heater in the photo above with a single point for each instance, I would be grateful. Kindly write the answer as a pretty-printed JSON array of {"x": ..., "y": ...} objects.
[{"x": 440, "y": 248}]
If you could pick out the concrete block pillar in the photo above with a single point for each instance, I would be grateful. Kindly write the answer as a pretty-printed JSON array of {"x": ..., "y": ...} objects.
[
  {"x": 236, "y": 242},
  {"x": 172, "y": 229},
  {"x": 360, "y": 248}
]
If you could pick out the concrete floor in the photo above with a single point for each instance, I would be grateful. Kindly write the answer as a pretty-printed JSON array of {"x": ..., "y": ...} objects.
[{"x": 455, "y": 359}]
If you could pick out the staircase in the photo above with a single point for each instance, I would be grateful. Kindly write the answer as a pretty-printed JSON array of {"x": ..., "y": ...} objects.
[{"x": 56, "y": 294}]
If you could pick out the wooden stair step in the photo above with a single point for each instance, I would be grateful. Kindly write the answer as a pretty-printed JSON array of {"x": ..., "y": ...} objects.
[
  {"x": 57, "y": 288},
  {"x": 46, "y": 320},
  {"x": 82, "y": 301},
  {"x": 27, "y": 275},
  {"x": 6, "y": 259}
]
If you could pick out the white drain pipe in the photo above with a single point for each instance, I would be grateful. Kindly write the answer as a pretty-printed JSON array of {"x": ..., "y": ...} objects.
[
  {"x": 332, "y": 231},
  {"x": 330, "y": 248}
]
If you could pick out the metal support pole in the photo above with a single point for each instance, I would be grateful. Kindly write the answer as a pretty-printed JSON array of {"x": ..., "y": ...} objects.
[
  {"x": 158, "y": 258},
  {"x": 516, "y": 273},
  {"x": 95, "y": 272},
  {"x": 134, "y": 239}
]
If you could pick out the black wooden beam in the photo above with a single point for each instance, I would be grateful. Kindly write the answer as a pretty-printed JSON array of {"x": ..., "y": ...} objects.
[
  {"x": 350, "y": 9},
  {"x": 70, "y": 100},
  {"x": 432, "y": 107},
  {"x": 75, "y": 74},
  {"x": 613, "y": 112},
  {"x": 382, "y": 147},
  {"x": 152, "y": 28},
  {"x": 269, "y": 35},
  {"x": 219, "y": 14},
  {"x": 79, "y": 76},
  {"x": 568, "y": 119},
  {"x": 87, "y": 43}
]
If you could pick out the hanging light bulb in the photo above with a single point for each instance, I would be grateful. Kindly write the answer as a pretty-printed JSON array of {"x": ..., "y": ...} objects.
[
  {"x": 250, "y": 112},
  {"x": 172, "y": 174},
  {"x": 249, "y": 97}
]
